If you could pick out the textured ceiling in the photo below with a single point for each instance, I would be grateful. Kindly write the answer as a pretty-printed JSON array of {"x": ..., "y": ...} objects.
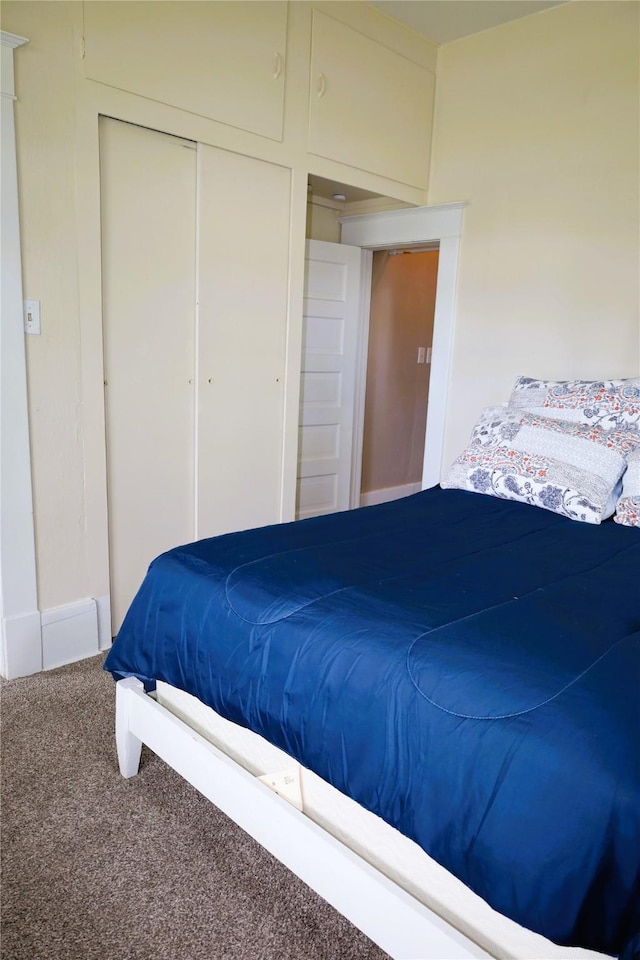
[{"x": 446, "y": 20}]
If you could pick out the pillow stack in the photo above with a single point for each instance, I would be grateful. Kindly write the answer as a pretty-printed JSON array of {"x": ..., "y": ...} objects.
[{"x": 572, "y": 447}]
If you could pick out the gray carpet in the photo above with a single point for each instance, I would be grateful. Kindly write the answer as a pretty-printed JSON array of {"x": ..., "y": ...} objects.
[{"x": 84, "y": 851}]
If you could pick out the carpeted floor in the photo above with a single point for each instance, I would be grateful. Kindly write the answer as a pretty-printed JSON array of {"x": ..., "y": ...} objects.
[{"x": 96, "y": 867}]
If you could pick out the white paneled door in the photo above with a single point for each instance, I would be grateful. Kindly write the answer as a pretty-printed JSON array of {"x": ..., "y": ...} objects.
[
  {"x": 148, "y": 189},
  {"x": 328, "y": 377}
]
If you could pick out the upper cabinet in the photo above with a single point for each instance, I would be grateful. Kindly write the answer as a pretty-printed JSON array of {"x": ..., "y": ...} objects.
[
  {"x": 224, "y": 60},
  {"x": 370, "y": 79},
  {"x": 370, "y": 107}
]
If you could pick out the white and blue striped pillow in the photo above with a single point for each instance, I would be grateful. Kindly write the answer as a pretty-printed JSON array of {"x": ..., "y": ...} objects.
[{"x": 569, "y": 468}]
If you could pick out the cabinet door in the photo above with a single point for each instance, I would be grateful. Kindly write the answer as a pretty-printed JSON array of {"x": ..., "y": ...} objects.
[
  {"x": 222, "y": 60},
  {"x": 369, "y": 107},
  {"x": 148, "y": 188},
  {"x": 243, "y": 265}
]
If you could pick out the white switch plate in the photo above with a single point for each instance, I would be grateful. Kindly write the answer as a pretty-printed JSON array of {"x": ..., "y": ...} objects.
[
  {"x": 428, "y": 360},
  {"x": 421, "y": 354},
  {"x": 32, "y": 316}
]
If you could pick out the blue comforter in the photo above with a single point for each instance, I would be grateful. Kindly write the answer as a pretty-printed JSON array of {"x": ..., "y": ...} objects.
[{"x": 466, "y": 668}]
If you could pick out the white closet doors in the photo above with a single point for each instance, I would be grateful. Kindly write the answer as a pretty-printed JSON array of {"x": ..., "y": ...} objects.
[
  {"x": 148, "y": 189},
  {"x": 195, "y": 303},
  {"x": 243, "y": 281}
]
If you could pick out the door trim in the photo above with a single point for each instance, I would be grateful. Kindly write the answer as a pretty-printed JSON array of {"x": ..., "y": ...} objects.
[
  {"x": 20, "y": 631},
  {"x": 360, "y": 376},
  {"x": 414, "y": 226}
]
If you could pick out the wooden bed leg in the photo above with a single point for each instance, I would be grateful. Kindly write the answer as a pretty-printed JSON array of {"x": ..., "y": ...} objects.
[{"x": 128, "y": 745}]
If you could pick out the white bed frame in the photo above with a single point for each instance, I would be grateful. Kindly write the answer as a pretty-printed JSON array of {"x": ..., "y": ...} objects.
[{"x": 397, "y": 921}]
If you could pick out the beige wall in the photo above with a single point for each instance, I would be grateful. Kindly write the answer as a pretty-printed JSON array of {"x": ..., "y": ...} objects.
[
  {"x": 403, "y": 291},
  {"x": 57, "y": 137},
  {"x": 45, "y": 135},
  {"x": 536, "y": 126},
  {"x": 322, "y": 222}
]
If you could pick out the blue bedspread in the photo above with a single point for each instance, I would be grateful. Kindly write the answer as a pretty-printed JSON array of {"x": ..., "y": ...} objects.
[{"x": 466, "y": 668}]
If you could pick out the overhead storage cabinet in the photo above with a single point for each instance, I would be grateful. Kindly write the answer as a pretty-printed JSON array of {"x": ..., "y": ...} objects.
[
  {"x": 223, "y": 60},
  {"x": 369, "y": 107}
]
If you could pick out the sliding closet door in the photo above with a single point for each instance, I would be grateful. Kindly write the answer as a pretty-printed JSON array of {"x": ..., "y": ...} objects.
[
  {"x": 148, "y": 198},
  {"x": 243, "y": 268}
]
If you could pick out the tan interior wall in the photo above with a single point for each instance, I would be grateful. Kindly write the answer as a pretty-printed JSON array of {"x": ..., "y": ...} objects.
[
  {"x": 536, "y": 126},
  {"x": 403, "y": 291},
  {"x": 322, "y": 223},
  {"x": 44, "y": 141},
  {"x": 56, "y": 126}
]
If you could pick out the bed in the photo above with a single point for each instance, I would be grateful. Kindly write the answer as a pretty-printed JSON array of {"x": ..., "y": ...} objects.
[{"x": 428, "y": 709}]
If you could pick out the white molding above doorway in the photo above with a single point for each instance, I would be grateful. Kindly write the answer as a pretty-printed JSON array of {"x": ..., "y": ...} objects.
[{"x": 414, "y": 226}]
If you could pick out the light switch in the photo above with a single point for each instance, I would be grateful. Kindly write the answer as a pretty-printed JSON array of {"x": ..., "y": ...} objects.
[
  {"x": 421, "y": 354},
  {"x": 428, "y": 360},
  {"x": 32, "y": 316}
]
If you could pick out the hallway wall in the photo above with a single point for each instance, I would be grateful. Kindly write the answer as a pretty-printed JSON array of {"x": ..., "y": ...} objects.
[{"x": 402, "y": 306}]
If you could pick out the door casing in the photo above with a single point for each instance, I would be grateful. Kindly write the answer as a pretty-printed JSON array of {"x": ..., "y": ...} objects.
[{"x": 406, "y": 228}]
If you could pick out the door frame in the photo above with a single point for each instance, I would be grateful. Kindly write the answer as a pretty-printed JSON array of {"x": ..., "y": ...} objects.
[
  {"x": 20, "y": 623},
  {"x": 406, "y": 228}
]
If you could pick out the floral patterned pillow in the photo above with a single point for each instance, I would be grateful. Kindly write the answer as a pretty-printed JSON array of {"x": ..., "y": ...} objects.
[
  {"x": 608, "y": 404},
  {"x": 569, "y": 468},
  {"x": 628, "y": 506}
]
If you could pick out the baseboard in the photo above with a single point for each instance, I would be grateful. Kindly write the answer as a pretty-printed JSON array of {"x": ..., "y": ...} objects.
[
  {"x": 69, "y": 633},
  {"x": 38, "y": 641},
  {"x": 21, "y": 645},
  {"x": 388, "y": 493}
]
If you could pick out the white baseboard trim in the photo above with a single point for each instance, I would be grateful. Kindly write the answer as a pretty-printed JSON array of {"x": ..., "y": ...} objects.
[
  {"x": 21, "y": 645},
  {"x": 36, "y": 641},
  {"x": 69, "y": 633},
  {"x": 388, "y": 493}
]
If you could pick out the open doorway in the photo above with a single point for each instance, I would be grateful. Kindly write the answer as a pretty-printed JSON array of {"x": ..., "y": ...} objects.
[
  {"x": 403, "y": 296},
  {"x": 406, "y": 228},
  {"x": 367, "y": 339},
  {"x": 389, "y": 231}
]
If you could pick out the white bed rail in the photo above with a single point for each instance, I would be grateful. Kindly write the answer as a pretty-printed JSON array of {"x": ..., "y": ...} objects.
[{"x": 396, "y": 921}]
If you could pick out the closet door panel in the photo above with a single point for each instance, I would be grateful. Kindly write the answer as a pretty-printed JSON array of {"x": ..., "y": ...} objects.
[
  {"x": 243, "y": 267},
  {"x": 369, "y": 106},
  {"x": 224, "y": 60},
  {"x": 148, "y": 192}
]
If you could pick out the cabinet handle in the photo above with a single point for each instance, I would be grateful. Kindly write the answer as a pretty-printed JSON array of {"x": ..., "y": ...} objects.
[
  {"x": 322, "y": 85},
  {"x": 277, "y": 66}
]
